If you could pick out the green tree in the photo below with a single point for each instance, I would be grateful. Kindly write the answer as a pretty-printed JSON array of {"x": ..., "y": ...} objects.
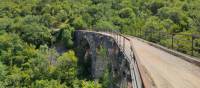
[
  {"x": 66, "y": 68},
  {"x": 6, "y": 24},
  {"x": 48, "y": 84},
  {"x": 90, "y": 84},
  {"x": 66, "y": 34},
  {"x": 126, "y": 13},
  {"x": 79, "y": 23},
  {"x": 152, "y": 28},
  {"x": 36, "y": 34},
  {"x": 3, "y": 74}
]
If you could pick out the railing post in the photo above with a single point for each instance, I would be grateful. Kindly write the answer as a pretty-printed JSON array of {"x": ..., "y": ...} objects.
[
  {"x": 120, "y": 40},
  {"x": 123, "y": 43},
  {"x": 159, "y": 37},
  {"x": 151, "y": 34},
  {"x": 117, "y": 37},
  {"x": 140, "y": 33},
  {"x": 193, "y": 45},
  {"x": 135, "y": 32},
  {"x": 172, "y": 41}
]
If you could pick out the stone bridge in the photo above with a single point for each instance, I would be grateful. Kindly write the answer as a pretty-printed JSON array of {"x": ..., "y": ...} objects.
[
  {"x": 136, "y": 64},
  {"x": 89, "y": 45}
]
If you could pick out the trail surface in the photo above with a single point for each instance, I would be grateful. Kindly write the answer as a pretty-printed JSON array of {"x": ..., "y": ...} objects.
[{"x": 165, "y": 69}]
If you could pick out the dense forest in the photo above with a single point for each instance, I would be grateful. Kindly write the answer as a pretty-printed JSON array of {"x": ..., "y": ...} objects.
[{"x": 29, "y": 29}]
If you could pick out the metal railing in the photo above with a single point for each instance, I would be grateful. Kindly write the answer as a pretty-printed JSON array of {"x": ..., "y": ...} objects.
[
  {"x": 185, "y": 43},
  {"x": 125, "y": 45}
]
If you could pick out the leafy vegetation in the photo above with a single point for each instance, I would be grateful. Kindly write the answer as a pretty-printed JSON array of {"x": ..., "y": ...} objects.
[
  {"x": 159, "y": 19},
  {"x": 30, "y": 28}
]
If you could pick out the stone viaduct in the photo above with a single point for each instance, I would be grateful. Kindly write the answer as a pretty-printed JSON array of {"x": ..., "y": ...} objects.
[
  {"x": 89, "y": 44},
  {"x": 134, "y": 62}
]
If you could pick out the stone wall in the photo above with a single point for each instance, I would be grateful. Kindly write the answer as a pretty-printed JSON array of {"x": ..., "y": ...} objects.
[{"x": 89, "y": 42}]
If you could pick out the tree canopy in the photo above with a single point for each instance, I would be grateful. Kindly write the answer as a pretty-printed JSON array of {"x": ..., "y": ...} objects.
[{"x": 29, "y": 29}]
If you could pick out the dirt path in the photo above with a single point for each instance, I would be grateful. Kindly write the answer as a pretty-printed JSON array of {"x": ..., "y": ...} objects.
[{"x": 167, "y": 71}]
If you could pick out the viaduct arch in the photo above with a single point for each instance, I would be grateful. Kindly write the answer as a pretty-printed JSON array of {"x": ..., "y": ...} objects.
[{"x": 89, "y": 44}]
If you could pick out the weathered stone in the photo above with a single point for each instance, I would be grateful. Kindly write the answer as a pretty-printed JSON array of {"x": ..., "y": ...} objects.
[{"x": 115, "y": 58}]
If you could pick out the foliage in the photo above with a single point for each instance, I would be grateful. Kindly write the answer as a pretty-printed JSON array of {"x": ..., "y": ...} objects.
[
  {"x": 66, "y": 34},
  {"x": 66, "y": 67},
  {"x": 90, "y": 84},
  {"x": 106, "y": 79},
  {"x": 48, "y": 84},
  {"x": 30, "y": 28},
  {"x": 3, "y": 74}
]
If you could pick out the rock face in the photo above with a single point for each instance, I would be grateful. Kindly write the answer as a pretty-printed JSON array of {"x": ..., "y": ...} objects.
[{"x": 88, "y": 44}]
